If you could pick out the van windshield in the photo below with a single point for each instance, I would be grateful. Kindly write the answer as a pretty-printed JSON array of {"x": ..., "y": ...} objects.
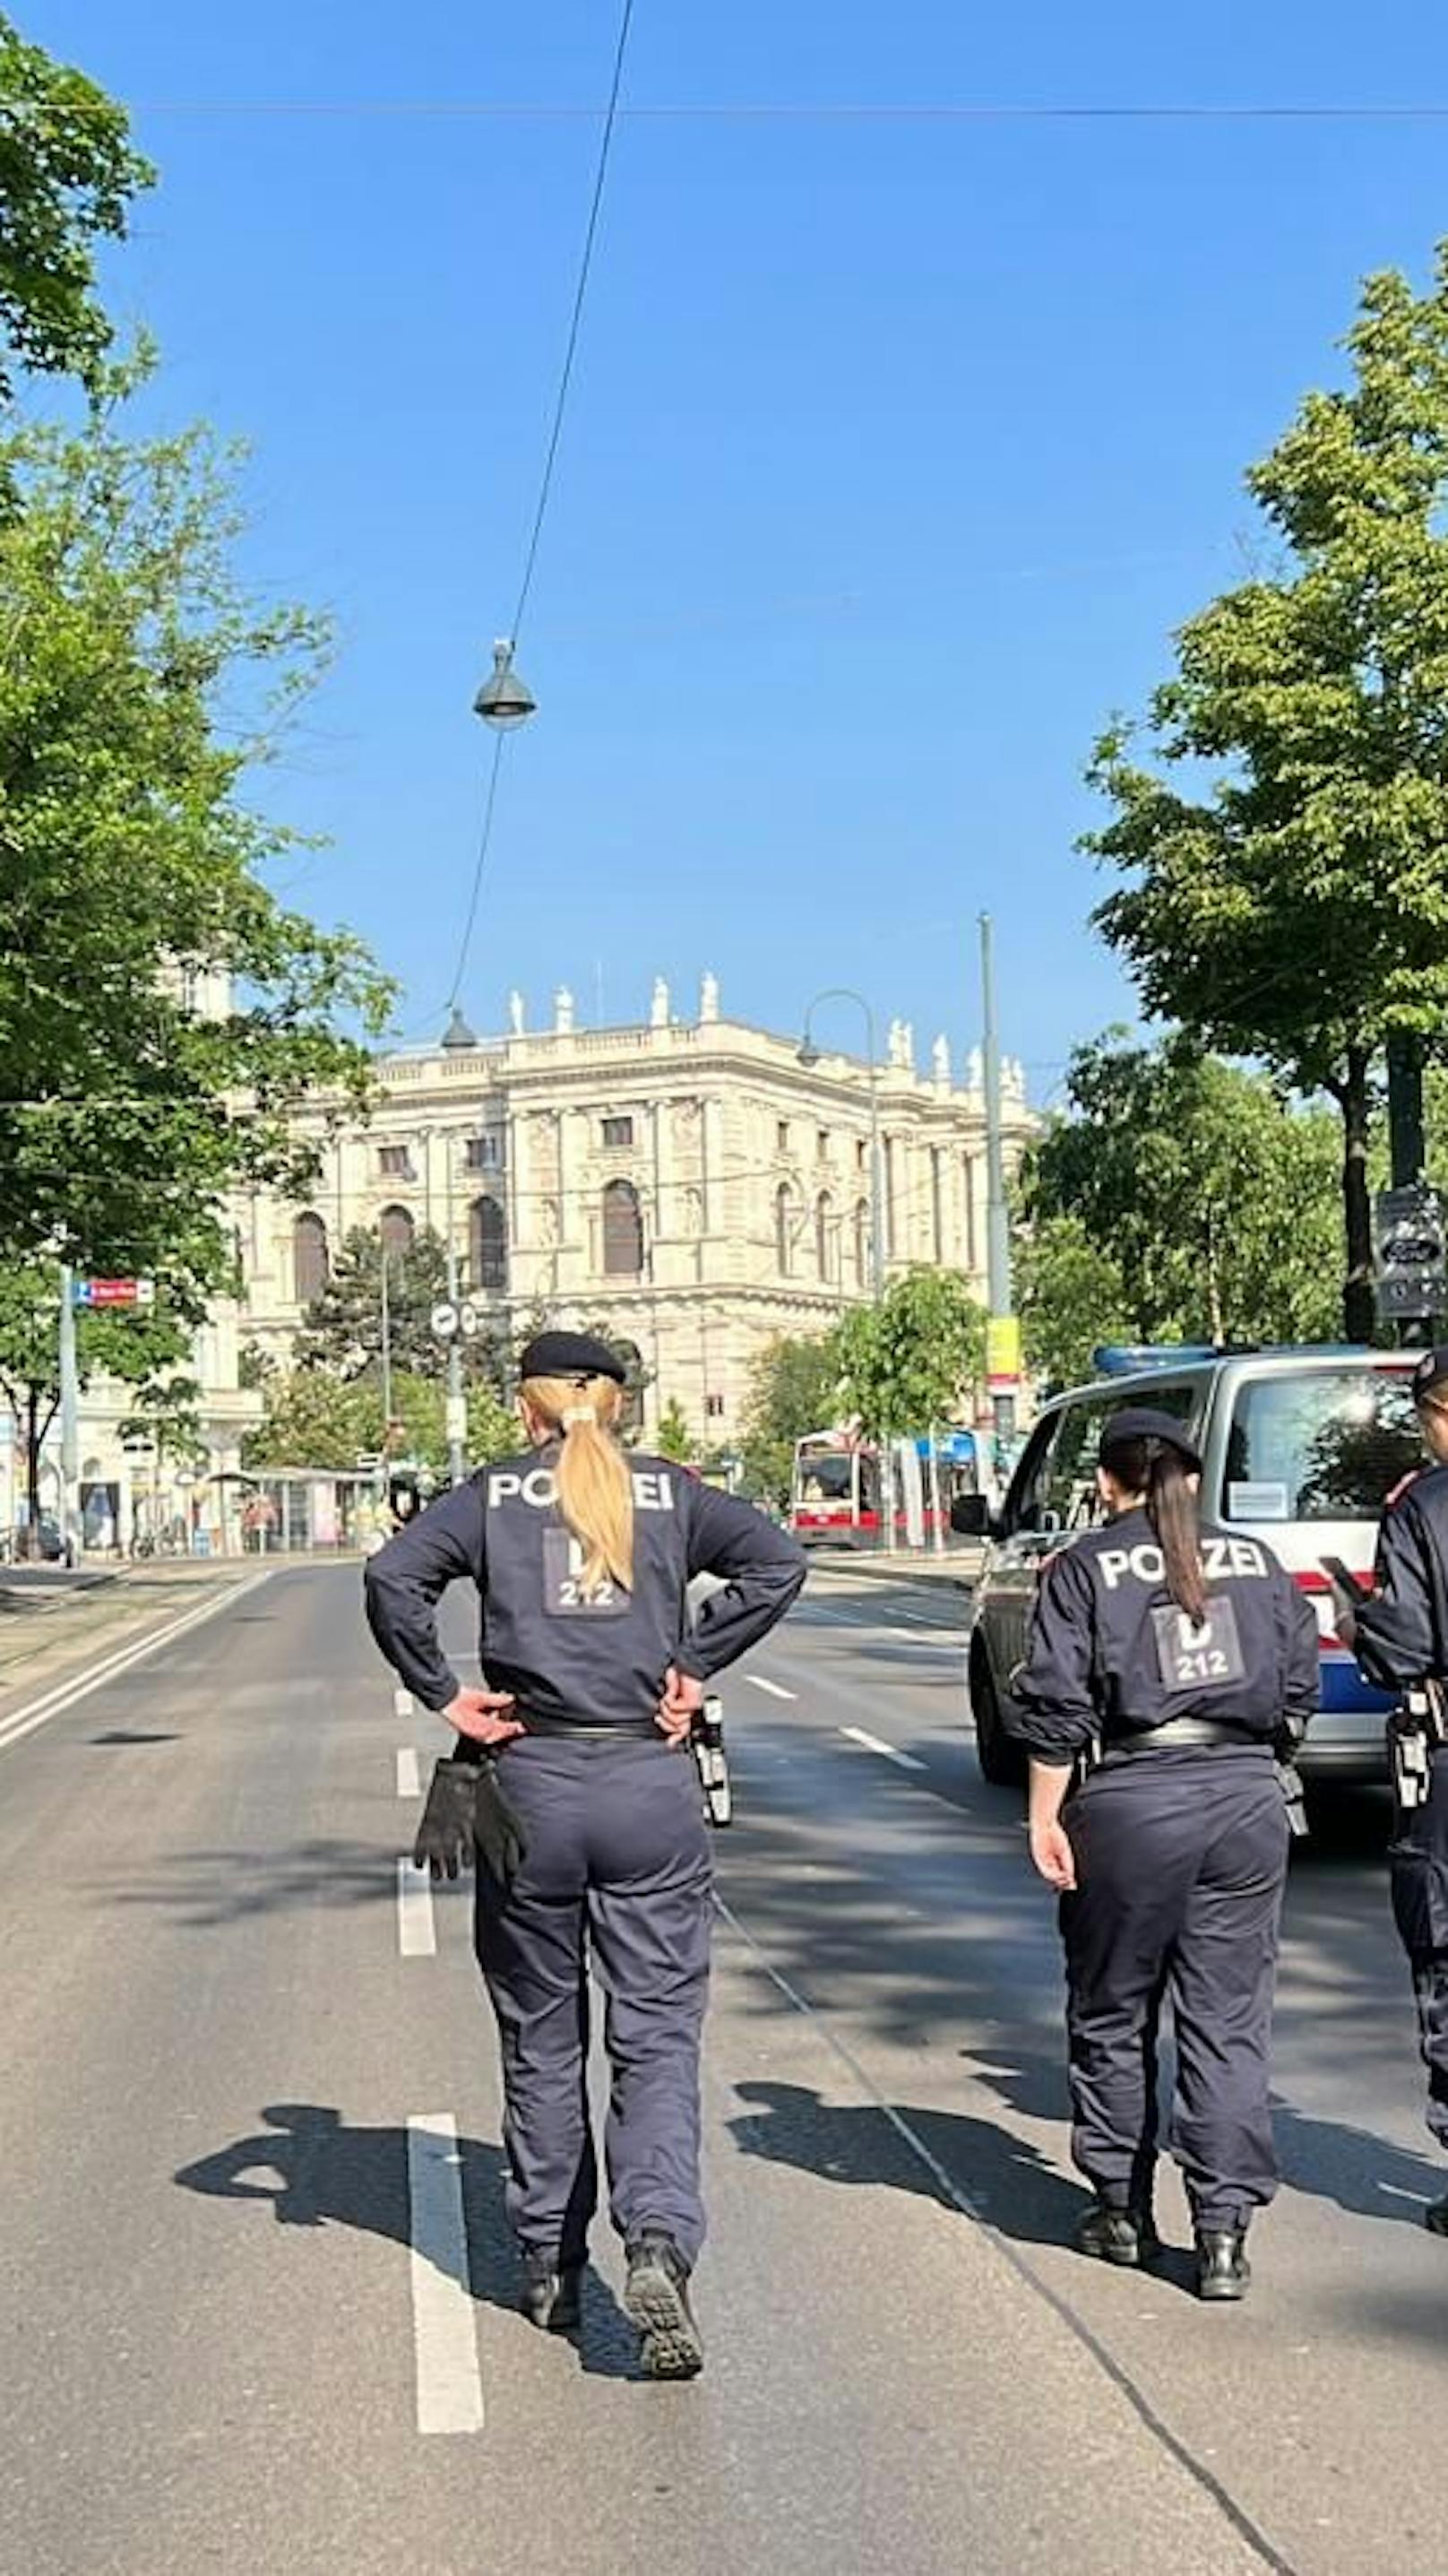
[{"x": 1319, "y": 1445}]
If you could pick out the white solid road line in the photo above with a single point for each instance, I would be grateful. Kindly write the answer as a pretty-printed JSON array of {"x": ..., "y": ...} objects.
[
  {"x": 872, "y": 1744},
  {"x": 776, "y": 1690},
  {"x": 65, "y": 1694},
  {"x": 408, "y": 1783},
  {"x": 416, "y": 1930},
  {"x": 444, "y": 2328},
  {"x": 401, "y": 1702}
]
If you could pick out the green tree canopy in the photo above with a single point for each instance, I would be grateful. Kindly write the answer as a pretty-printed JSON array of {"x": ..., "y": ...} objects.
[
  {"x": 343, "y": 1327},
  {"x": 68, "y": 172},
  {"x": 794, "y": 1388},
  {"x": 316, "y": 1419},
  {"x": 1181, "y": 1200},
  {"x": 139, "y": 686},
  {"x": 909, "y": 1361},
  {"x": 144, "y": 1347},
  {"x": 1287, "y": 844}
]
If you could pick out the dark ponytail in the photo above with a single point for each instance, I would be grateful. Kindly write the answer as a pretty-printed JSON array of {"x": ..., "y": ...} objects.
[{"x": 1160, "y": 1475}]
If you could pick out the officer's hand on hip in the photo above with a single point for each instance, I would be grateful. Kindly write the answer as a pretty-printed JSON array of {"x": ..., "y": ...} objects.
[
  {"x": 683, "y": 1698},
  {"x": 1051, "y": 1851},
  {"x": 483, "y": 1716}
]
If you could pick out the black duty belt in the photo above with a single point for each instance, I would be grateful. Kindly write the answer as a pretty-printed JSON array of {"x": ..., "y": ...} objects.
[
  {"x": 637, "y": 1730},
  {"x": 1184, "y": 1735}
]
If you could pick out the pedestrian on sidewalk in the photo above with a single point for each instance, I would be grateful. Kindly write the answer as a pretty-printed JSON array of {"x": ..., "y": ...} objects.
[
  {"x": 585, "y": 1806},
  {"x": 1400, "y": 1638},
  {"x": 1167, "y": 1663}
]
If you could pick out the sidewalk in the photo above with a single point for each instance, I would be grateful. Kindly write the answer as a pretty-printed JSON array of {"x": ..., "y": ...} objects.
[
  {"x": 50, "y": 1628},
  {"x": 961, "y": 1567}
]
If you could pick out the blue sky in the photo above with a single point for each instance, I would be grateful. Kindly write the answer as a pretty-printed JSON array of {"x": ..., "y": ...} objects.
[{"x": 897, "y": 447}]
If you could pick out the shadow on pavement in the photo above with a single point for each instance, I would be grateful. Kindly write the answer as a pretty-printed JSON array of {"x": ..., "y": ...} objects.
[
  {"x": 313, "y": 2170},
  {"x": 209, "y": 1890}
]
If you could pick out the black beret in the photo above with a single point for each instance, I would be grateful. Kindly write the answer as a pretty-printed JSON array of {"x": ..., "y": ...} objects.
[
  {"x": 1430, "y": 1373},
  {"x": 571, "y": 1355},
  {"x": 1145, "y": 1422}
]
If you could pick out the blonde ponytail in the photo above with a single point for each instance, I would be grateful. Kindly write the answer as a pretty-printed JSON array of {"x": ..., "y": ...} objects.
[{"x": 595, "y": 1489}]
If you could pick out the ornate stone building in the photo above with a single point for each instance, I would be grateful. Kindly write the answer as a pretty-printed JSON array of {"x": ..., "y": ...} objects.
[{"x": 688, "y": 1183}]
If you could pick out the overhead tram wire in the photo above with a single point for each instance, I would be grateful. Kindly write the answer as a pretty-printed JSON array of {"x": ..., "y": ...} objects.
[{"x": 550, "y": 461}]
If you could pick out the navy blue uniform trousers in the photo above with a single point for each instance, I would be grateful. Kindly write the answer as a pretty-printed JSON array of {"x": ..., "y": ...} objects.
[
  {"x": 1418, "y": 1866},
  {"x": 1181, "y": 1861},
  {"x": 618, "y": 1870}
]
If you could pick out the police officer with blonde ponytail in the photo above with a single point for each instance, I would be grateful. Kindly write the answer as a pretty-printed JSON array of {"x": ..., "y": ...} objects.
[
  {"x": 1168, "y": 1662},
  {"x": 573, "y": 1780}
]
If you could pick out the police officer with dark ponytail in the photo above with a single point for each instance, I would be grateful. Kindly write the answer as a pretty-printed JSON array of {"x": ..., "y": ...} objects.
[
  {"x": 573, "y": 1780},
  {"x": 1168, "y": 1662}
]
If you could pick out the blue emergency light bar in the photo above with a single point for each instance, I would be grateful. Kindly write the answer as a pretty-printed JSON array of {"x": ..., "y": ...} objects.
[{"x": 1122, "y": 1359}]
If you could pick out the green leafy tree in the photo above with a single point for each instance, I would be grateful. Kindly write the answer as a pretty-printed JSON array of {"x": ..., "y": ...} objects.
[
  {"x": 68, "y": 173},
  {"x": 673, "y": 1438},
  {"x": 1287, "y": 842},
  {"x": 162, "y": 1014},
  {"x": 794, "y": 1388},
  {"x": 142, "y": 1347},
  {"x": 316, "y": 1419},
  {"x": 1071, "y": 1296},
  {"x": 1181, "y": 1200},
  {"x": 909, "y": 1361}
]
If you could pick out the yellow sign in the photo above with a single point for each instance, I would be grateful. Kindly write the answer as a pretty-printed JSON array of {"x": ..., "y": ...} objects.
[{"x": 1003, "y": 1348}]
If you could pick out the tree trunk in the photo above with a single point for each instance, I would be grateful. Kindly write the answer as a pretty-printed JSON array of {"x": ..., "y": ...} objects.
[
  {"x": 1359, "y": 1305},
  {"x": 33, "y": 1438}
]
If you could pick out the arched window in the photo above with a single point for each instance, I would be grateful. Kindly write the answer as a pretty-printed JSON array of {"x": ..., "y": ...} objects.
[
  {"x": 623, "y": 1231},
  {"x": 862, "y": 1244},
  {"x": 784, "y": 1229},
  {"x": 825, "y": 1236},
  {"x": 396, "y": 1229},
  {"x": 488, "y": 1246},
  {"x": 311, "y": 1267}
]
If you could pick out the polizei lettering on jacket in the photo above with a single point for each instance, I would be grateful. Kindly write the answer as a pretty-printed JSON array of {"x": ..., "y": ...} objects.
[
  {"x": 1146, "y": 1564},
  {"x": 538, "y": 1487}
]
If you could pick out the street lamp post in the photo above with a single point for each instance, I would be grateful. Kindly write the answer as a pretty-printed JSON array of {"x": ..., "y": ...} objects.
[{"x": 809, "y": 1055}]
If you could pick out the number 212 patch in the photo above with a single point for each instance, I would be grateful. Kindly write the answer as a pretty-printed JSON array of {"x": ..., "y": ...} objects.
[
  {"x": 564, "y": 1593},
  {"x": 1198, "y": 1654}
]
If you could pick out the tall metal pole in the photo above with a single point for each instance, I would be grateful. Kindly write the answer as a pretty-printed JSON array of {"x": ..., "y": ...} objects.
[
  {"x": 69, "y": 1414},
  {"x": 877, "y": 1176},
  {"x": 998, "y": 1241},
  {"x": 386, "y": 1347},
  {"x": 457, "y": 1412}
]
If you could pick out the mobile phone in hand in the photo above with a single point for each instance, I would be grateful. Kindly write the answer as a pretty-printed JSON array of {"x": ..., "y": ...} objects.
[{"x": 1344, "y": 1582}]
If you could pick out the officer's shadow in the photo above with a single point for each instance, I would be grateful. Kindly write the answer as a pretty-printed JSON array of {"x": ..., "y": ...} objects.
[{"x": 313, "y": 2170}]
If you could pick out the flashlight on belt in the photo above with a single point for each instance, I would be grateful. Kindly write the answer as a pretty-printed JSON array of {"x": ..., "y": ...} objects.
[{"x": 706, "y": 1743}]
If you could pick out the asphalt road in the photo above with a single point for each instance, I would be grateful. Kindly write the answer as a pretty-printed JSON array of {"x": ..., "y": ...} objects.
[{"x": 256, "y": 2296}]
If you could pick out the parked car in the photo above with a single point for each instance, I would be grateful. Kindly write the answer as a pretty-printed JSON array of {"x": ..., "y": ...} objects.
[
  {"x": 37, "y": 1543},
  {"x": 1300, "y": 1448}
]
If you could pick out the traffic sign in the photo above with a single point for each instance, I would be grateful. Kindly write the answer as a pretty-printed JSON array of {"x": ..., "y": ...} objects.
[
  {"x": 444, "y": 1320},
  {"x": 1409, "y": 1227},
  {"x": 113, "y": 1292},
  {"x": 467, "y": 1319}
]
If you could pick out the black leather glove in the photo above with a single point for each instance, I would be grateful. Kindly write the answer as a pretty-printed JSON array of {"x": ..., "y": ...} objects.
[
  {"x": 502, "y": 1845},
  {"x": 446, "y": 1837}
]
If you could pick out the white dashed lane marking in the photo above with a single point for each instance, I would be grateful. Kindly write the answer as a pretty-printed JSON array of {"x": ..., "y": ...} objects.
[
  {"x": 776, "y": 1690},
  {"x": 872, "y": 1744},
  {"x": 444, "y": 2327},
  {"x": 401, "y": 1702},
  {"x": 416, "y": 1931},
  {"x": 408, "y": 1783}
]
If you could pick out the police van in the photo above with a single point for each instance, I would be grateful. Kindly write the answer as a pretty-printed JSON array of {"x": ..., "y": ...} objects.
[{"x": 1301, "y": 1448}]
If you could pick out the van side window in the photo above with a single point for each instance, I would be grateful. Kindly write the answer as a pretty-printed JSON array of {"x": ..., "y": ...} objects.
[
  {"x": 1026, "y": 1499},
  {"x": 1071, "y": 1495}
]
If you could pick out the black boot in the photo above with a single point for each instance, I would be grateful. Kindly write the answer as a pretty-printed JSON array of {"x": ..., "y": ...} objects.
[
  {"x": 552, "y": 2295},
  {"x": 656, "y": 2296},
  {"x": 1126, "y": 2237},
  {"x": 1436, "y": 2217},
  {"x": 1223, "y": 2270}
]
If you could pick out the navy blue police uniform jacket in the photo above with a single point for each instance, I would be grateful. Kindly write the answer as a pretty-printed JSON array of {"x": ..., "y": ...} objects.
[
  {"x": 1110, "y": 1655},
  {"x": 1402, "y": 1633},
  {"x": 560, "y": 1653}
]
